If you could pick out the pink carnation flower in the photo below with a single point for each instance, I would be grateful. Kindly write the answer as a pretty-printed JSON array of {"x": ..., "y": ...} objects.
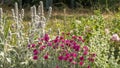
[{"x": 35, "y": 57}]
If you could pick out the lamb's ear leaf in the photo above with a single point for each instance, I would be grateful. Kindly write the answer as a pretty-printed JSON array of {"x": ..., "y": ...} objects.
[{"x": 6, "y": 28}]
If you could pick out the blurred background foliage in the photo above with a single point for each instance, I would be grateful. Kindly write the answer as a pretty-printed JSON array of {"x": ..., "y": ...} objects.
[{"x": 72, "y": 4}]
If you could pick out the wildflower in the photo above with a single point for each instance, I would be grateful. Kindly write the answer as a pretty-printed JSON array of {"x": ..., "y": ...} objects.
[
  {"x": 85, "y": 52},
  {"x": 74, "y": 37},
  {"x": 63, "y": 33},
  {"x": 57, "y": 66},
  {"x": 85, "y": 48},
  {"x": 93, "y": 55},
  {"x": 70, "y": 59},
  {"x": 42, "y": 47},
  {"x": 61, "y": 37},
  {"x": 33, "y": 45},
  {"x": 81, "y": 58},
  {"x": 60, "y": 57},
  {"x": 35, "y": 51},
  {"x": 40, "y": 43},
  {"x": 56, "y": 40},
  {"x": 115, "y": 37},
  {"x": 80, "y": 38},
  {"x": 35, "y": 57},
  {"x": 49, "y": 43},
  {"x": 91, "y": 59},
  {"x": 65, "y": 58},
  {"x": 81, "y": 63},
  {"x": 76, "y": 47},
  {"x": 88, "y": 66},
  {"x": 46, "y": 38},
  {"x": 74, "y": 55},
  {"x": 41, "y": 39},
  {"x": 46, "y": 57},
  {"x": 62, "y": 45},
  {"x": 68, "y": 55}
]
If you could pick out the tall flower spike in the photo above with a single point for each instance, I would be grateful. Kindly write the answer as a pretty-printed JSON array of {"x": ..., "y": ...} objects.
[
  {"x": 22, "y": 13},
  {"x": 13, "y": 14},
  {"x": 1, "y": 15},
  {"x": 32, "y": 12},
  {"x": 38, "y": 20},
  {"x": 49, "y": 13},
  {"x": 42, "y": 9},
  {"x": 18, "y": 18},
  {"x": 16, "y": 12},
  {"x": 1, "y": 20}
]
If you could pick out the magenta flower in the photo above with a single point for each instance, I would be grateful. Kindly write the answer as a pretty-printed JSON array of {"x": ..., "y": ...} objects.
[
  {"x": 63, "y": 33},
  {"x": 40, "y": 43},
  {"x": 65, "y": 58},
  {"x": 74, "y": 55},
  {"x": 35, "y": 52},
  {"x": 74, "y": 37},
  {"x": 72, "y": 41},
  {"x": 76, "y": 47},
  {"x": 66, "y": 49},
  {"x": 93, "y": 55},
  {"x": 70, "y": 59},
  {"x": 49, "y": 43},
  {"x": 62, "y": 45},
  {"x": 81, "y": 58},
  {"x": 35, "y": 57},
  {"x": 42, "y": 47},
  {"x": 57, "y": 66},
  {"x": 91, "y": 59},
  {"x": 61, "y": 37},
  {"x": 88, "y": 66},
  {"x": 56, "y": 40},
  {"x": 63, "y": 40},
  {"x": 81, "y": 63},
  {"x": 46, "y": 57},
  {"x": 68, "y": 55},
  {"x": 33, "y": 45},
  {"x": 46, "y": 37},
  {"x": 81, "y": 39},
  {"x": 85, "y": 52},
  {"x": 60, "y": 57},
  {"x": 85, "y": 48}
]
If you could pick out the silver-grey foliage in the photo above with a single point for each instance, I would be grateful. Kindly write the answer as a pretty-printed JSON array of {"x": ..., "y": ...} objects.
[{"x": 38, "y": 21}]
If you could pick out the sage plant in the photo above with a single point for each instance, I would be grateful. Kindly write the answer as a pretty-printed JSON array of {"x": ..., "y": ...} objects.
[
  {"x": 18, "y": 18},
  {"x": 1, "y": 24},
  {"x": 38, "y": 21}
]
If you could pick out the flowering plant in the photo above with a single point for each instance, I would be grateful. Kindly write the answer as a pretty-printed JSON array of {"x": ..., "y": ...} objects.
[{"x": 64, "y": 51}]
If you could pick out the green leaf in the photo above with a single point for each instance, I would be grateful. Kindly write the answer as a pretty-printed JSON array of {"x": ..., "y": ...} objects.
[{"x": 6, "y": 28}]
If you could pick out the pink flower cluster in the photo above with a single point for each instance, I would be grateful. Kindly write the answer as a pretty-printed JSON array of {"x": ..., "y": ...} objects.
[
  {"x": 115, "y": 37},
  {"x": 68, "y": 48}
]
